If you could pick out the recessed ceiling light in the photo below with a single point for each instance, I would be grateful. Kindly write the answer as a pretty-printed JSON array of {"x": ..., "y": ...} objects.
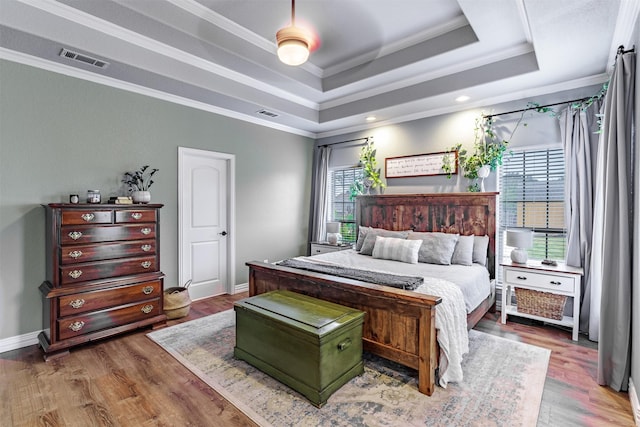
[
  {"x": 370, "y": 118},
  {"x": 462, "y": 98}
]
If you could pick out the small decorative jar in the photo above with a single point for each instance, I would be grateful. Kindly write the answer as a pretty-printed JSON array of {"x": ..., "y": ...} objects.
[{"x": 93, "y": 196}]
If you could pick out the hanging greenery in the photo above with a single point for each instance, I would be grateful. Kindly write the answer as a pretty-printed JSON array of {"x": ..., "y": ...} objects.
[
  {"x": 488, "y": 150},
  {"x": 371, "y": 172},
  {"x": 370, "y": 166}
]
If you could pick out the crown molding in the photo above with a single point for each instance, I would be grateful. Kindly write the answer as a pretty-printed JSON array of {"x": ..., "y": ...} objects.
[
  {"x": 55, "y": 67},
  {"x": 63, "y": 11}
]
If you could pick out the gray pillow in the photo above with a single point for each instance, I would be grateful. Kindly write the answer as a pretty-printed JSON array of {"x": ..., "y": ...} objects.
[
  {"x": 395, "y": 249},
  {"x": 436, "y": 248},
  {"x": 369, "y": 239},
  {"x": 463, "y": 253},
  {"x": 480, "y": 247}
]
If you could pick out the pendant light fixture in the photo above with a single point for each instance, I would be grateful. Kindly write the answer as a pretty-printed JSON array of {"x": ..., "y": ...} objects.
[{"x": 293, "y": 42}]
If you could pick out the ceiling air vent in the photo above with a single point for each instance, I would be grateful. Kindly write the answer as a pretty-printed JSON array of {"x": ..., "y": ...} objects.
[
  {"x": 267, "y": 113},
  {"x": 65, "y": 53}
]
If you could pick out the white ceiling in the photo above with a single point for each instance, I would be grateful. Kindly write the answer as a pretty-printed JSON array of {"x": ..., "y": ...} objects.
[{"x": 396, "y": 59}]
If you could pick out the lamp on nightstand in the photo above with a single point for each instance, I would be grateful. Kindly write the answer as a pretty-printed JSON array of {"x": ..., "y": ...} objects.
[
  {"x": 521, "y": 240},
  {"x": 333, "y": 233}
]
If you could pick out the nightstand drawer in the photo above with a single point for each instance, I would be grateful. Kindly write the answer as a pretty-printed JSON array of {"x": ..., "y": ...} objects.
[
  {"x": 323, "y": 248},
  {"x": 540, "y": 281}
]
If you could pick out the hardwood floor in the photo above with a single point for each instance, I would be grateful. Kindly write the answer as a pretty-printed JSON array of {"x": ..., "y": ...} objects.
[{"x": 130, "y": 381}]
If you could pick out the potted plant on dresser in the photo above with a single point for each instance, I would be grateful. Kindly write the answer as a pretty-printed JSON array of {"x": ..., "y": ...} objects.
[{"x": 139, "y": 183}]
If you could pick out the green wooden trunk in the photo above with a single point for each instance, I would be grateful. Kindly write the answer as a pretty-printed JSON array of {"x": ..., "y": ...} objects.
[{"x": 313, "y": 346}]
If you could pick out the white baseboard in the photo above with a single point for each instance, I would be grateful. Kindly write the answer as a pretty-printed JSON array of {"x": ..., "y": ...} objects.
[
  {"x": 241, "y": 287},
  {"x": 19, "y": 341},
  {"x": 635, "y": 403}
]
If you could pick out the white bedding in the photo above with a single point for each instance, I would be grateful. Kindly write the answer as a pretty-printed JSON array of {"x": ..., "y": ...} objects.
[
  {"x": 472, "y": 280},
  {"x": 460, "y": 287}
]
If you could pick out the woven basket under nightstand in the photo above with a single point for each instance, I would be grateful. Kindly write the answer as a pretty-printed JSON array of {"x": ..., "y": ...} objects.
[{"x": 543, "y": 304}]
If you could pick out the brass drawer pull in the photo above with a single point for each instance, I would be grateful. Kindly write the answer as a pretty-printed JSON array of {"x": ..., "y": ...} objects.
[
  {"x": 77, "y": 303},
  {"x": 145, "y": 248},
  {"x": 75, "y": 235},
  {"x": 145, "y": 231},
  {"x": 88, "y": 217},
  {"x": 147, "y": 290},
  {"x": 145, "y": 264},
  {"x": 136, "y": 215},
  {"x": 522, "y": 277},
  {"x": 76, "y": 326},
  {"x": 553, "y": 282},
  {"x": 75, "y": 254},
  {"x": 146, "y": 309},
  {"x": 74, "y": 274}
]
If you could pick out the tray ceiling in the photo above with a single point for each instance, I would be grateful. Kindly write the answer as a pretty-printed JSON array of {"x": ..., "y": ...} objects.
[{"x": 396, "y": 60}]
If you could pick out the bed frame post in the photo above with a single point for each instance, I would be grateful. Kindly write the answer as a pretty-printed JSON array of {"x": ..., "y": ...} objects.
[{"x": 428, "y": 350}]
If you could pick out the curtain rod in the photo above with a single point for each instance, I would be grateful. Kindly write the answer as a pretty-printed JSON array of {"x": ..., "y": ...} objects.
[
  {"x": 536, "y": 107},
  {"x": 621, "y": 50},
  {"x": 366, "y": 138}
]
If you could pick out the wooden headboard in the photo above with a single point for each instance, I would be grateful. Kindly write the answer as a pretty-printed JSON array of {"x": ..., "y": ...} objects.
[{"x": 462, "y": 213}]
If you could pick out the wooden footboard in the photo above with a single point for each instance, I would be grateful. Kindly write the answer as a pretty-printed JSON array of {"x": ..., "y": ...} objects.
[{"x": 399, "y": 325}]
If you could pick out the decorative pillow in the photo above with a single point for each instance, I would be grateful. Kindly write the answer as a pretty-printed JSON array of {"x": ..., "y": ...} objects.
[
  {"x": 395, "y": 249},
  {"x": 480, "y": 247},
  {"x": 463, "y": 253},
  {"x": 436, "y": 248},
  {"x": 362, "y": 233},
  {"x": 366, "y": 248}
]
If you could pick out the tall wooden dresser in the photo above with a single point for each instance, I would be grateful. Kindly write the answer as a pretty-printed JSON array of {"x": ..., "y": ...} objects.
[{"x": 103, "y": 273}]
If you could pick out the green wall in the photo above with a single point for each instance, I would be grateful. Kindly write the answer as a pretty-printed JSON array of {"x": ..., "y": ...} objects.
[{"x": 60, "y": 135}]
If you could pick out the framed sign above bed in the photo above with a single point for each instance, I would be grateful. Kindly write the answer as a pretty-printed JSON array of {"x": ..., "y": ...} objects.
[{"x": 418, "y": 165}]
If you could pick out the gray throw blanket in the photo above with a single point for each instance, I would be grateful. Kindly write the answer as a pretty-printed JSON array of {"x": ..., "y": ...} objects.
[{"x": 409, "y": 283}]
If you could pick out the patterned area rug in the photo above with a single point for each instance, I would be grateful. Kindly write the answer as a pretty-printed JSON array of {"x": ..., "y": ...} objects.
[{"x": 503, "y": 384}]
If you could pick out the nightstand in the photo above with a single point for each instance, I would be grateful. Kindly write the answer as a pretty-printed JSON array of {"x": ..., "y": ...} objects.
[
  {"x": 318, "y": 248},
  {"x": 559, "y": 280}
]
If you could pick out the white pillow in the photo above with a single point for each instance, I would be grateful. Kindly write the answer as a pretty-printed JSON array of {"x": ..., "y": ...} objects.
[
  {"x": 436, "y": 248},
  {"x": 480, "y": 247},
  {"x": 396, "y": 249},
  {"x": 463, "y": 253}
]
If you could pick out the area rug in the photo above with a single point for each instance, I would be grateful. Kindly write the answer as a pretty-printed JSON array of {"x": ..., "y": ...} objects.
[{"x": 502, "y": 386}]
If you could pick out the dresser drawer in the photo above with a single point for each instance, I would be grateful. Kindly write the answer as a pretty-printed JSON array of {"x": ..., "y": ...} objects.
[
  {"x": 89, "y": 216},
  {"x": 76, "y": 273},
  {"x": 78, "y": 234},
  {"x": 104, "y": 251},
  {"x": 70, "y": 327},
  {"x": 142, "y": 215},
  {"x": 71, "y": 305},
  {"x": 540, "y": 281}
]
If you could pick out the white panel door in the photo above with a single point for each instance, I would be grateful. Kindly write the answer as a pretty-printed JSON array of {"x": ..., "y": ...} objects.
[{"x": 203, "y": 195}]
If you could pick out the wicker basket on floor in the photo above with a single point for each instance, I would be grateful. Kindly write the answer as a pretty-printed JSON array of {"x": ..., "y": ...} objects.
[
  {"x": 543, "y": 304},
  {"x": 177, "y": 301}
]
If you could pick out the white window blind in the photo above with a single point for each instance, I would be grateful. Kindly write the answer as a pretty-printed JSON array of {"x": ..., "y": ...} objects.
[
  {"x": 532, "y": 197},
  {"x": 341, "y": 206}
]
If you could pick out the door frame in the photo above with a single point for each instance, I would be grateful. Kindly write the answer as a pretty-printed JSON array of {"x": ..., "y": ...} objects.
[{"x": 230, "y": 159}]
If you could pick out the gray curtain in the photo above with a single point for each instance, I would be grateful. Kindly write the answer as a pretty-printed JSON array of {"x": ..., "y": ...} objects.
[
  {"x": 578, "y": 129},
  {"x": 319, "y": 203},
  {"x": 611, "y": 257}
]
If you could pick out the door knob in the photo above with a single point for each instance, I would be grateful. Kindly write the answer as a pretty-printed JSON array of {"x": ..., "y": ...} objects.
[{"x": 224, "y": 233}]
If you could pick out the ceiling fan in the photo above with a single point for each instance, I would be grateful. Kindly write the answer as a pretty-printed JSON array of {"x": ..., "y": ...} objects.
[{"x": 294, "y": 43}]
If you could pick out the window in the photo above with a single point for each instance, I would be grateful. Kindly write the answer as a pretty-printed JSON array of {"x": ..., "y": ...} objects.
[
  {"x": 532, "y": 196},
  {"x": 341, "y": 207}
]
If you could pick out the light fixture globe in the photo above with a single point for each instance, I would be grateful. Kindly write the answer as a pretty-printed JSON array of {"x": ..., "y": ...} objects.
[{"x": 293, "y": 45}]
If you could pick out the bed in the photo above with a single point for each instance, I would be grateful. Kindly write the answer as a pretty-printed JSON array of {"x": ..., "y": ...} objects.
[{"x": 399, "y": 324}]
